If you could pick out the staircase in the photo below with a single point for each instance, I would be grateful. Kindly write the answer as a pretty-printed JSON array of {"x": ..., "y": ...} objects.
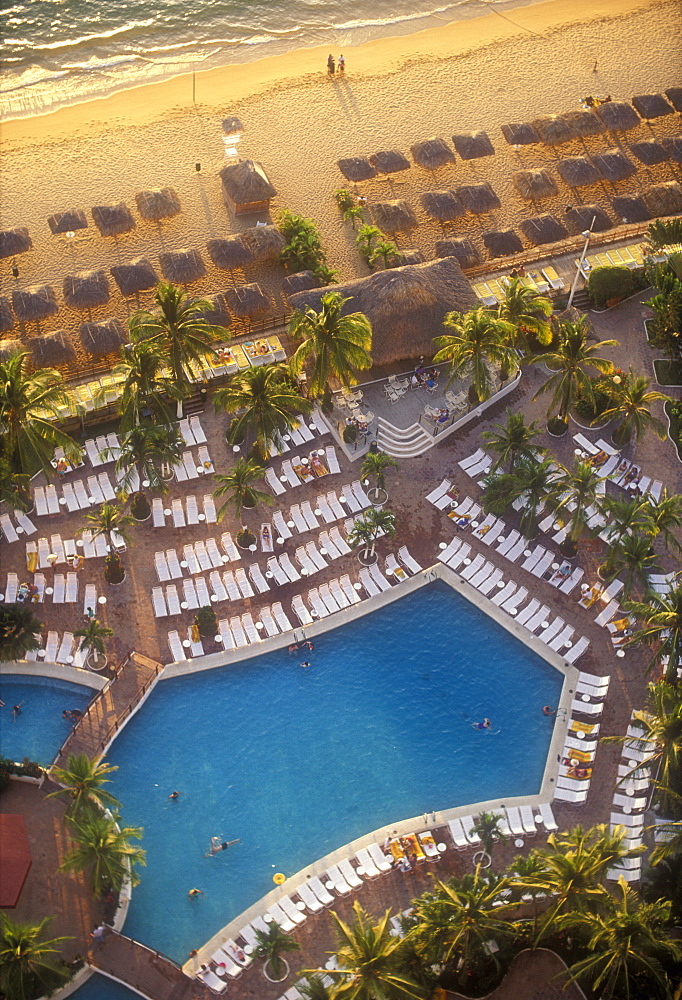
[
  {"x": 194, "y": 405},
  {"x": 402, "y": 442},
  {"x": 581, "y": 300}
]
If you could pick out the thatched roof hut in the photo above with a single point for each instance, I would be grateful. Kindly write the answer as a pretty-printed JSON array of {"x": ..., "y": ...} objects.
[
  {"x": 135, "y": 276},
  {"x": 478, "y": 198},
  {"x": 300, "y": 282},
  {"x": 9, "y": 347},
  {"x": 583, "y": 217},
  {"x": 264, "y": 242},
  {"x": 389, "y": 161},
  {"x": 230, "y": 254},
  {"x": 584, "y": 122},
  {"x": 673, "y": 147},
  {"x": 618, "y": 116},
  {"x": 67, "y": 222},
  {"x": 463, "y": 250},
  {"x": 432, "y": 154},
  {"x": 13, "y": 242},
  {"x": 502, "y": 243},
  {"x": 661, "y": 199},
  {"x": 405, "y": 305},
  {"x": 34, "y": 303},
  {"x": 652, "y": 106},
  {"x": 86, "y": 289},
  {"x": 356, "y": 168},
  {"x": 443, "y": 206},
  {"x": 577, "y": 171},
  {"x": 534, "y": 184},
  {"x": 554, "y": 130},
  {"x": 630, "y": 208},
  {"x": 613, "y": 165},
  {"x": 393, "y": 216},
  {"x": 182, "y": 266},
  {"x": 649, "y": 152},
  {"x": 246, "y": 187},
  {"x": 102, "y": 338},
  {"x": 51, "y": 349},
  {"x": 112, "y": 220},
  {"x": 473, "y": 145},
  {"x": 247, "y": 300},
  {"x": 157, "y": 204},
  {"x": 6, "y": 315},
  {"x": 520, "y": 134},
  {"x": 543, "y": 229},
  {"x": 232, "y": 126},
  {"x": 217, "y": 314},
  {"x": 411, "y": 257},
  {"x": 674, "y": 95}
]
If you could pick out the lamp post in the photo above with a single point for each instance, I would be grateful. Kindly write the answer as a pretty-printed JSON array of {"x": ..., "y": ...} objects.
[{"x": 586, "y": 234}]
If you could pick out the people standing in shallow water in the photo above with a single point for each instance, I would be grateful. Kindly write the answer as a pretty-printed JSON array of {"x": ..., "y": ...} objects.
[
  {"x": 342, "y": 64},
  {"x": 331, "y": 65}
]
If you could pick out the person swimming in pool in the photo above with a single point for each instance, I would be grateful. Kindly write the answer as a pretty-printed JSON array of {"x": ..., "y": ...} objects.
[{"x": 486, "y": 724}]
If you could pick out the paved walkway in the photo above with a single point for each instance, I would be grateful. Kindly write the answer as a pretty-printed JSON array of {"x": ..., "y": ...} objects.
[{"x": 145, "y": 970}]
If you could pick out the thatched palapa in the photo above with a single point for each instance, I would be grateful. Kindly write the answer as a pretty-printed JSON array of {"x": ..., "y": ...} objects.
[
  {"x": 13, "y": 242},
  {"x": 217, "y": 314},
  {"x": 6, "y": 315},
  {"x": 246, "y": 187},
  {"x": 389, "y": 161},
  {"x": 618, "y": 116},
  {"x": 157, "y": 204},
  {"x": 543, "y": 229},
  {"x": 52, "y": 349},
  {"x": 356, "y": 168},
  {"x": 100, "y": 339},
  {"x": 230, "y": 254},
  {"x": 264, "y": 242},
  {"x": 463, "y": 250},
  {"x": 577, "y": 171},
  {"x": 411, "y": 256},
  {"x": 432, "y": 154},
  {"x": 674, "y": 95},
  {"x": 9, "y": 347},
  {"x": 232, "y": 126},
  {"x": 473, "y": 145},
  {"x": 652, "y": 106},
  {"x": 247, "y": 300},
  {"x": 534, "y": 184},
  {"x": 136, "y": 276},
  {"x": 393, "y": 216},
  {"x": 67, "y": 222},
  {"x": 478, "y": 198},
  {"x": 664, "y": 199},
  {"x": 673, "y": 147},
  {"x": 405, "y": 305},
  {"x": 86, "y": 289},
  {"x": 649, "y": 152},
  {"x": 520, "y": 134},
  {"x": 583, "y": 217},
  {"x": 34, "y": 303},
  {"x": 631, "y": 209},
  {"x": 554, "y": 130},
  {"x": 182, "y": 266},
  {"x": 584, "y": 123},
  {"x": 113, "y": 220},
  {"x": 502, "y": 243},
  {"x": 613, "y": 165},
  {"x": 300, "y": 282},
  {"x": 443, "y": 206}
]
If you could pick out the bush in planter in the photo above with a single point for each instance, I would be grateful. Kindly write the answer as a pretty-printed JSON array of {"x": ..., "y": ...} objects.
[
  {"x": 139, "y": 507},
  {"x": 26, "y": 769},
  {"x": 327, "y": 403},
  {"x": 606, "y": 284},
  {"x": 557, "y": 426},
  {"x": 206, "y": 622},
  {"x": 113, "y": 568},
  {"x": 350, "y": 434},
  {"x": 588, "y": 410},
  {"x": 245, "y": 538}
]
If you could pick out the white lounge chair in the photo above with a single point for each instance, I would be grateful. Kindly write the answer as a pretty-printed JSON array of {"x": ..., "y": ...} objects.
[
  {"x": 335, "y": 505},
  {"x": 278, "y": 574},
  {"x": 384, "y": 862},
  {"x": 338, "y": 594},
  {"x": 192, "y": 510},
  {"x": 58, "y": 589},
  {"x": 339, "y": 541},
  {"x": 159, "y": 602},
  {"x": 309, "y": 898},
  {"x": 269, "y": 623},
  {"x": 289, "y": 568},
  {"x": 324, "y": 896},
  {"x": 210, "y": 514},
  {"x": 577, "y": 650},
  {"x": 280, "y": 617},
  {"x": 274, "y": 483},
  {"x": 309, "y": 515},
  {"x": 238, "y": 632},
  {"x": 218, "y": 586},
  {"x": 229, "y": 548},
  {"x": 280, "y": 525},
  {"x": 260, "y": 583},
  {"x": 301, "y": 611},
  {"x": 332, "y": 460},
  {"x": 367, "y": 866},
  {"x": 243, "y": 583},
  {"x": 325, "y": 510},
  {"x": 349, "y": 590},
  {"x": 319, "y": 607},
  {"x": 158, "y": 516}
]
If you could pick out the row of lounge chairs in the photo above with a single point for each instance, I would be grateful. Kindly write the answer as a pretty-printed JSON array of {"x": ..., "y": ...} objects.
[
  {"x": 44, "y": 554},
  {"x": 184, "y": 515},
  {"x": 78, "y": 495},
  {"x": 630, "y": 799},
  {"x": 621, "y": 471},
  {"x": 65, "y": 650},
  {"x": 517, "y": 821},
  {"x": 493, "y": 291},
  {"x": 24, "y": 526},
  {"x": 575, "y": 765},
  {"x": 329, "y": 508}
]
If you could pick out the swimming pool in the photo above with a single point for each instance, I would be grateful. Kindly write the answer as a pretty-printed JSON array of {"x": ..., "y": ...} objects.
[
  {"x": 297, "y": 762},
  {"x": 40, "y": 730}
]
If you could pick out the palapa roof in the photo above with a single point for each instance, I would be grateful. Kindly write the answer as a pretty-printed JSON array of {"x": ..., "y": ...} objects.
[
  {"x": 135, "y": 276},
  {"x": 652, "y": 105},
  {"x": 534, "y": 184},
  {"x": 246, "y": 182},
  {"x": 86, "y": 289},
  {"x": 389, "y": 161},
  {"x": 577, "y": 171},
  {"x": 618, "y": 116},
  {"x": 14, "y": 242},
  {"x": 473, "y": 145},
  {"x": 102, "y": 338},
  {"x": 9, "y": 347},
  {"x": 356, "y": 168},
  {"x": 34, "y": 303},
  {"x": 649, "y": 152},
  {"x": 673, "y": 147},
  {"x": 674, "y": 95},
  {"x": 411, "y": 256},
  {"x": 112, "y": 220},
  {"x": 631, "y": 208},
  {"x": 462, "y": 250},
  {"x": 584, "y": 122},
  {"x": 217, "y": 314},
  {"x": 478, "y": 198},
  {"x": 442, "y": 205},
  {"x": 663, "y": 199},
  {"x": 230, "y": 254},
  {"x": 232, "y": 126},
  {"x": 264, "y": 242},
  {"x": 543, "y": 229},
  {"x": 6, "y": 315},
  {"x": 520, "y": 134},
  {"x": 247, "y": 300},
  {"x": 51, "y": 349},
  {"x": 613, "y": 165},
  {"x": 502, "y": 243},
  {"x": 580, "y": 218},
  {"x": 67, "y": 222},
  {"x": 554, "y": 130},
  {"x": 405, "y": 305},
  {"x": 159, "y": 203},
  {"x": 432, "y": 153},
  {"x": 182, "y": 266},
  {"x": 393, "y": 216},
  {"x": 300, "y": 282}
]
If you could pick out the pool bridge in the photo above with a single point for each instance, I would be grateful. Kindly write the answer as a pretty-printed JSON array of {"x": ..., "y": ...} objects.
[{"x": 144, "y": 970}]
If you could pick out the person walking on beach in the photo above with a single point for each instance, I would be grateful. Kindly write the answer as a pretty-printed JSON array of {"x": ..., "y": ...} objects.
[
  {"x": 342, "y": 64},
  {"x": 331, "y": 65}
]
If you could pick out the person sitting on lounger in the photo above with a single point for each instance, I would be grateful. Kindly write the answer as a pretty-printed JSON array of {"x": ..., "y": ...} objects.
[{"x": 462, "y": 522}]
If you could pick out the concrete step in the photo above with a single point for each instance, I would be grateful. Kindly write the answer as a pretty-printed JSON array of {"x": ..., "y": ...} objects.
[{"x": 402, "y": 442}]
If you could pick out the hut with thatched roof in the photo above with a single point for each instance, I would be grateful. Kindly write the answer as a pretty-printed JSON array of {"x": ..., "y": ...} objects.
[
  {"x": 300, "y": 282},
  {"x": 356, "y": 168},
  {"x": 543, "y": 229},
  {"x": 389, "y": 161},
  {"x": 652, "y": 106},
  {"x": 583, "y": 217},
  {"x": 182, "y": 266},
  {"x": 393, "y": 216},
  {"x": 673, "y": 147},
  {"x": 217, "y": 314},
  {"x": 649, "y": 152},
  {"x": 35, "y": 302},
  {"x": 158, "y": 203},
  {"x": 113, "y": 220},
  {"x": 520, "y": 134},
  {"x": 6, "y": 315},
  {"x": 613, "y": 165},
  {"x": 52, "y": 349},
  {"x": 264, "y": 242},
  {"x": 14, "y": 241},
  {"x": 67, "y": 222},
  {"x": 443, "y": 206},
  {"x": 136, "y": 276},
  {"x": 105, "y": 337},
  {"x": 577, "y": 171},
  {"x": 674, "y": 95},
  {"x": 463, "y": 250},
  {"x": 246, "y": 301},
  {"x": 405, "y": 305},
  {"x": 661, "y": 199},
  {"x": 432, "y": 154},
  {"x": 554, "y": 130},
  {"x": 473, "y": 145},
  {"x": 411, "y": 256},
  {"x": 583, "y": 122},
  {"x": 246, "y": 188},
  {"x": 502, "y": 243},
  {"x": 478, "y": 198},
  {"x": 618, "y": 116},
  {"x": 630, "y": 208},
  {"x": 86, "y": 289},
  {"x": 230, "y": 254},
  {"x": 533, "y": 185},
  {"x": 9, "y": 347},
  {"x": 232, "y": 126}
]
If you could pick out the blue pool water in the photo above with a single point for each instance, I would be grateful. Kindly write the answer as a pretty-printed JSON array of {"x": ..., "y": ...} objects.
[
  {"x": 297, "y": 762},
  {"x": 40, "y": 730},
  {"x": 101, "y": 988}
]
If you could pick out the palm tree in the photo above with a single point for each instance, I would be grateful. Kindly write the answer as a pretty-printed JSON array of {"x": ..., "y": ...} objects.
[
  {"x": 105, "y": 521},
  {"x": 534, "y": 481},
  {"x": 572, "y": 358},
  {"x": 527, "y": 310},
  {"x": 387, "y": 252},
  {"x": 625, "y": 516},
  {"x": 313, "y": 988},
  {"x": 367, "y": 235},
  {"x": 528, "y": 868},
  {"x": 487, "y": 826},
  {"x": 579, "y": 489},
  {"x": 632, "y": 555},
  {"x": 368, "y": 527},
  {"x": 661, "y": 626},
  {"x": 631, "y": 409},
  {"x": 338, "y": 346},
  {"x": 512, "y": 441},
  {"x": 664, "y": 516},
  {"x": 29, "y": 405},
  {"x": 27, "y": 965},
  {"x": 144, "y": 449},
  {"x": 479, "y": 340},
  {"x": 266, "y": 402},
  {"x": 15, "y": 487},
  {"x": 19, "y": 631},
  {"x": 105, "y": 850},
  {"x": 670, "y": 846},
  {"x": 238, "y": 484},
  {"x": 271, "y": 944},
  {"x": 146, "y": 386},
  {"x": 179, "y": 327},
  {"x": 92, "y": 637},
  {"x": 83, "y": 780},
  {"x": 375, "y": 464}
]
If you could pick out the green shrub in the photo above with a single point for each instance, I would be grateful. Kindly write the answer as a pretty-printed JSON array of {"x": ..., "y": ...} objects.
[
  {"x": 4, "y": 779},
  {"x": 303, "y": 251},
  {"x": 206, "y": 622},
  {"x": 606, "y": 284},
  {"x": 350, "y": 433},
  {"x": 345, "y": 199}
]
